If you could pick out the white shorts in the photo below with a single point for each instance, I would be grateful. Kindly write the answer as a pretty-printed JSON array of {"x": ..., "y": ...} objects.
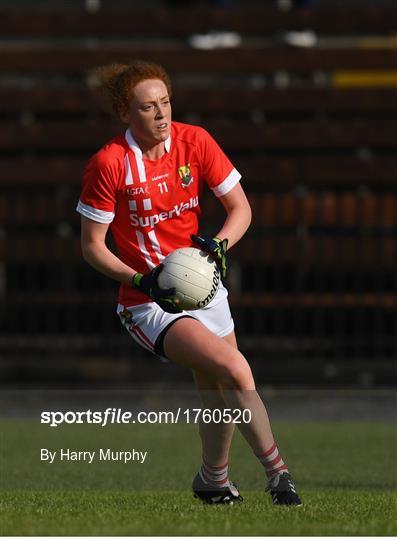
[{"x": 148, "y": 323}]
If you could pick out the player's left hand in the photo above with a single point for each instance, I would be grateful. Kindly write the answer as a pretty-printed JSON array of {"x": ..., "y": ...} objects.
[
  {"x": 216, "y": 248},
  {"x": 147, "y": 283}
]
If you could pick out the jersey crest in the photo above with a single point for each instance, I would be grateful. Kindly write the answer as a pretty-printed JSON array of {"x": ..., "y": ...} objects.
[{"x": 185, "y": 176}]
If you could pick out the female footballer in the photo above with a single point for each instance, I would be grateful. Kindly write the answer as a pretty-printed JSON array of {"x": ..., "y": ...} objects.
[{"x": 145, "y": 185}]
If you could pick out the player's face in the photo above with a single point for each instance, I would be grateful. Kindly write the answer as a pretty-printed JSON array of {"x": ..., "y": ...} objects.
[{"x": 149, "y": 114}]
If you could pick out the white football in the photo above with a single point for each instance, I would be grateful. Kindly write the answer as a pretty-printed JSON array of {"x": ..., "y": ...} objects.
[{"x": 194, "y": 274}]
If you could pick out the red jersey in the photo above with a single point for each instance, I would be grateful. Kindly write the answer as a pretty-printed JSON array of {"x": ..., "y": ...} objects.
[{"x": 153, "y": 206}]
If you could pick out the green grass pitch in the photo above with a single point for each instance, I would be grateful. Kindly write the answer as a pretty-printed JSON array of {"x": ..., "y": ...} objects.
[{"x": 345, "y": 473}]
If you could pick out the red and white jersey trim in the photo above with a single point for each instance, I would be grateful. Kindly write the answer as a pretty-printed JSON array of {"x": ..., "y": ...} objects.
[
  {"x": 128, "y": 174},
  {"x": 93, "y": 213},
  {"x": 138, "y": 154},
  {"x": 155, "y": 245},
  {"x": 142, "y": 246},
  {"x": 229, "y": 182}
]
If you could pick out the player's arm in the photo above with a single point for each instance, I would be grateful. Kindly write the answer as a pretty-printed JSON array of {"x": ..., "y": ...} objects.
[
  {"x": 238, "y": 217},
  {"x": 99, "y": 256},
  {"x": 237, "y": 221}
]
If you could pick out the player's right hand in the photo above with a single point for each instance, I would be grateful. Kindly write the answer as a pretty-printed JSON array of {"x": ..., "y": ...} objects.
[{"x": 147, "y": 283}]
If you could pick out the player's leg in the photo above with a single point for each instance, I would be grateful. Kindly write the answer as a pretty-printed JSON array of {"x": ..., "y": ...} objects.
[
  {"x": 231, "y": 339},
  {"x": 190, "y": 343},
  {"x": 211, "y": 483},
  {"x": 199, "y": 348},
  {"x": 216, "y": 437}
]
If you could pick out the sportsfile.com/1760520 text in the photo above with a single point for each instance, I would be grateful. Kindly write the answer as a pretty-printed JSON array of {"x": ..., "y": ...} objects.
[{"x": 114, "y": 415}]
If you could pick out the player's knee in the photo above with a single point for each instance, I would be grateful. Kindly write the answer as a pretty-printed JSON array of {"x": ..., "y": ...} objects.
[{"x": 237, "y": 375}]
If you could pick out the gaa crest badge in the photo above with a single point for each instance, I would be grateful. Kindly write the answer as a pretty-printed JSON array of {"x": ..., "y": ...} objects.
[{"x": 185, "y": 176}]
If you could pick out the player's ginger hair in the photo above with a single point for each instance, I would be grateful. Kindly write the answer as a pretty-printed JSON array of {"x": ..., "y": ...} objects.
[{"x": 116, "y": 82}]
